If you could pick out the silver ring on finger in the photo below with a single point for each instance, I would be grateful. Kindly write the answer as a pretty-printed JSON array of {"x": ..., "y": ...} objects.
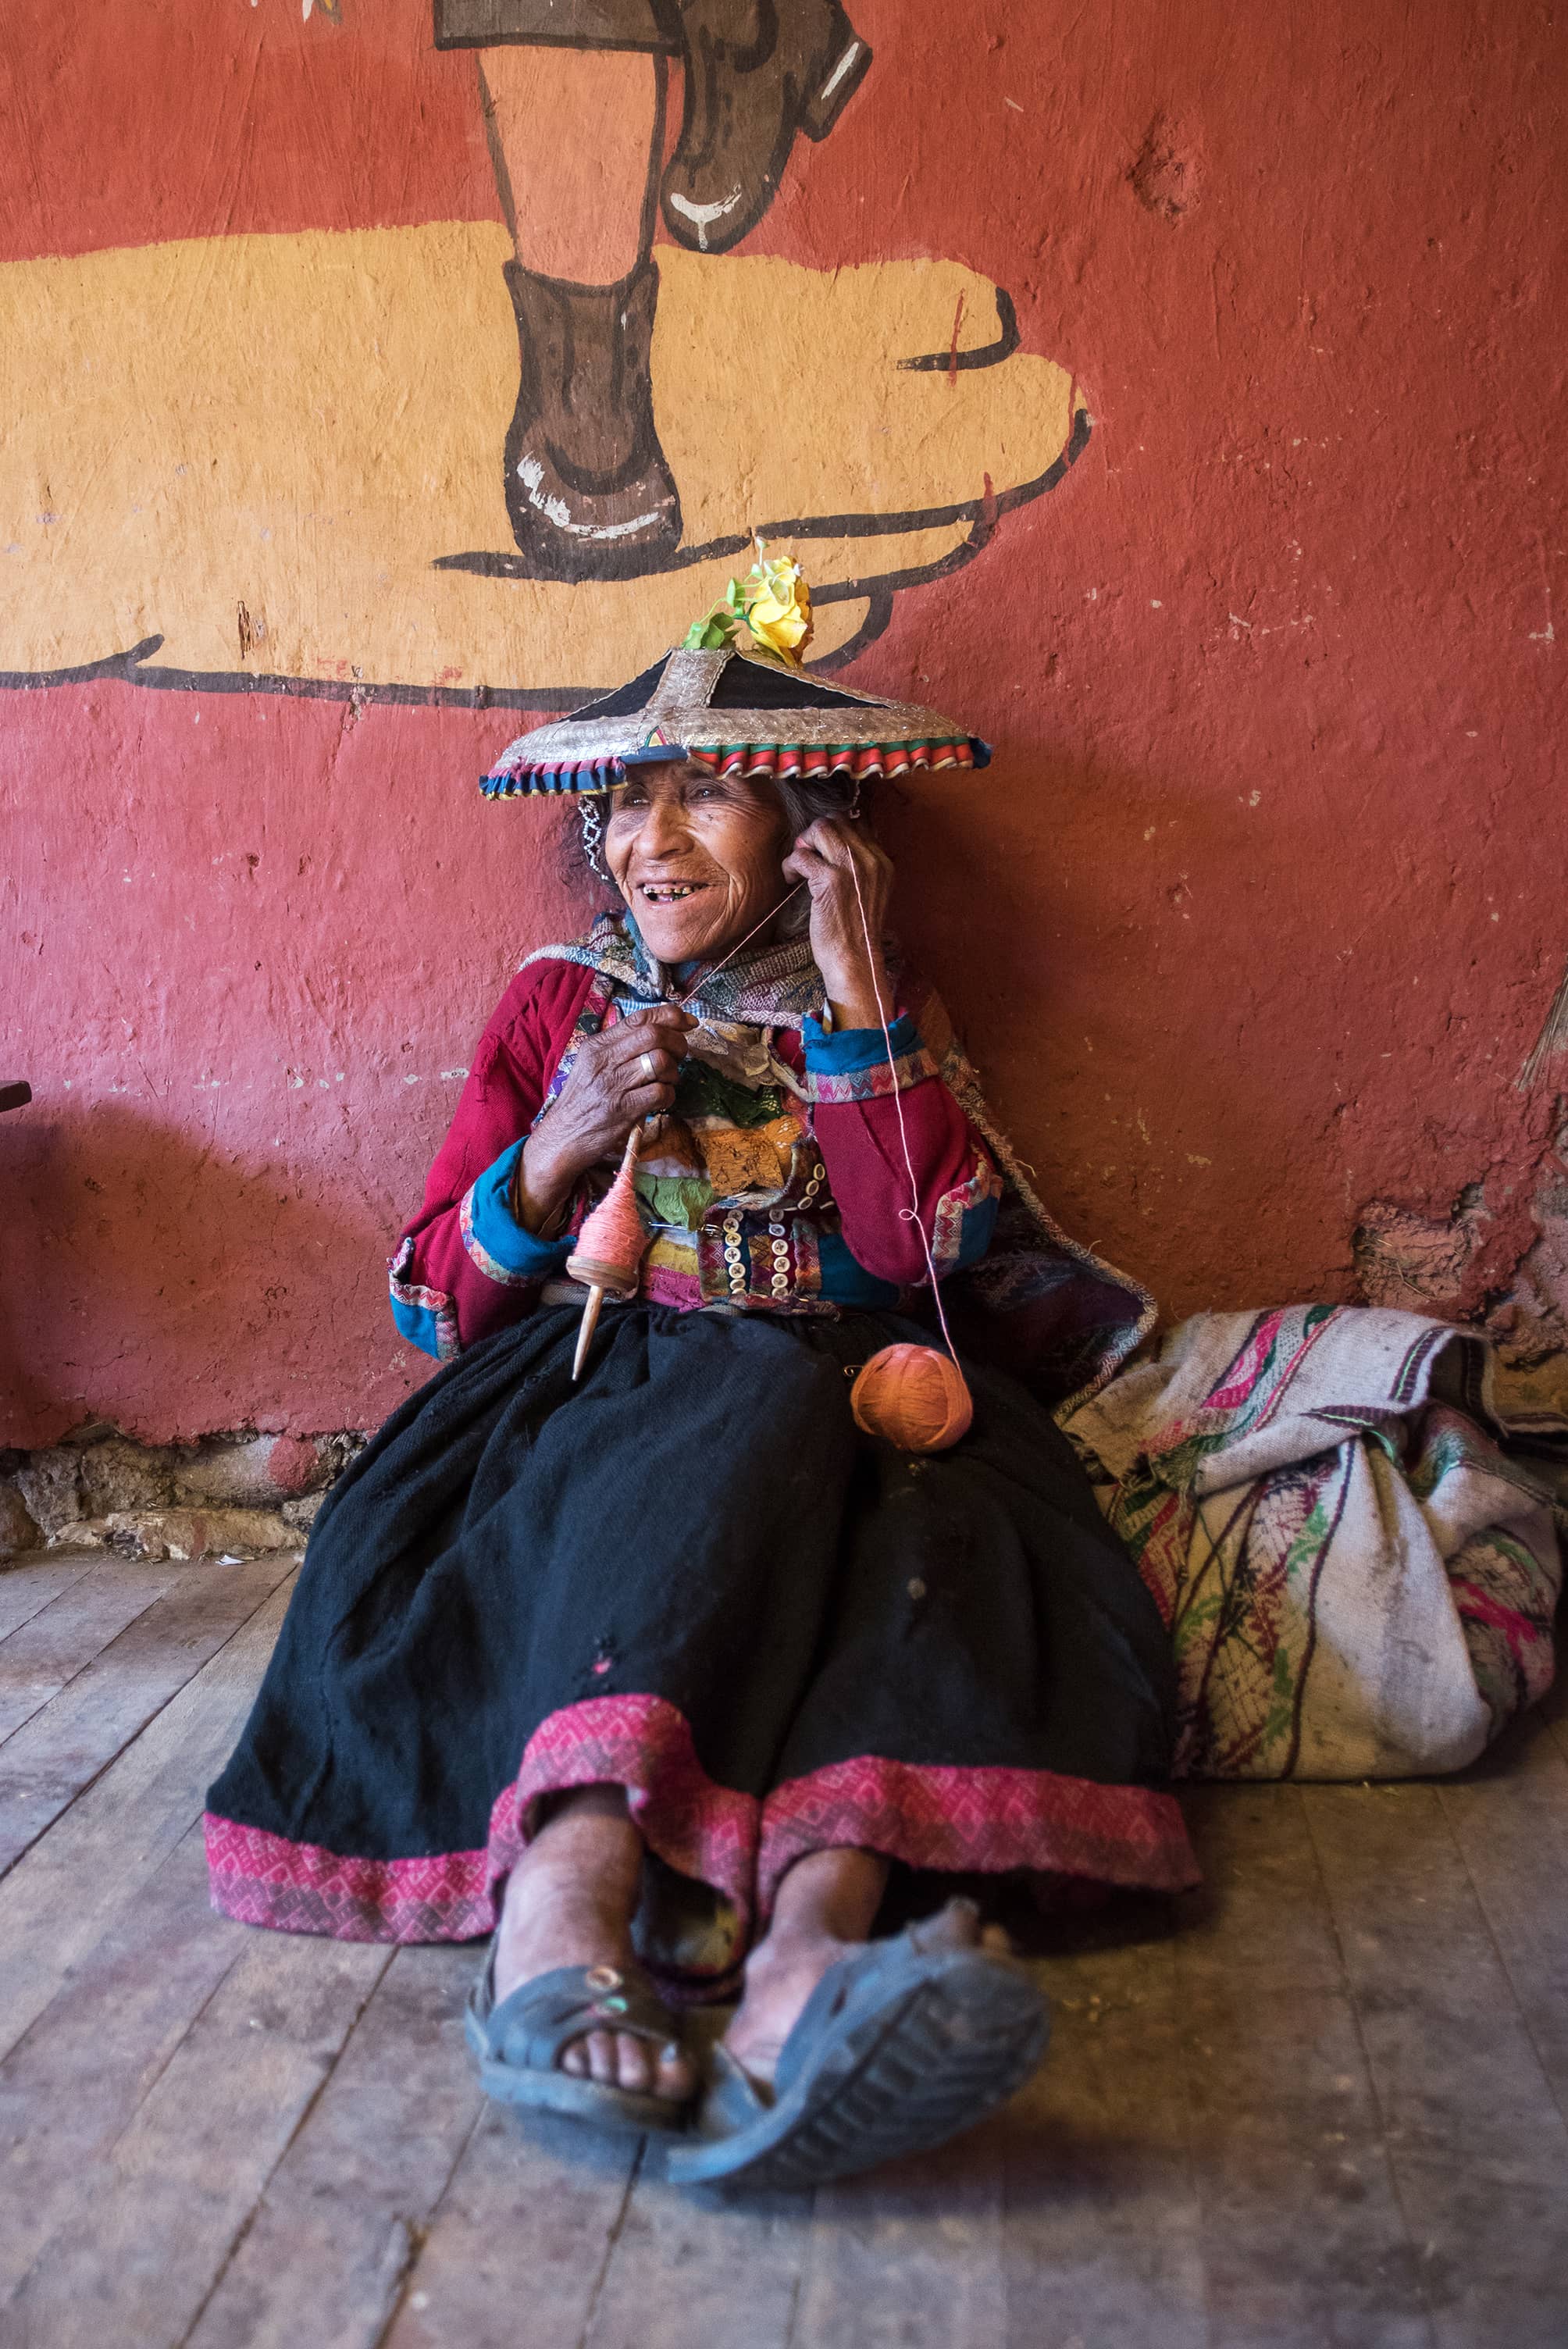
[{"x": 645, "y": 1061}]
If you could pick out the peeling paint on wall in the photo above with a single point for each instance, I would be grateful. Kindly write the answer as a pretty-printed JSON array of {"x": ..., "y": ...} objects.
[
  {"x": 1167, "y": 175},
  {"x": 1506, "y": 1272}
]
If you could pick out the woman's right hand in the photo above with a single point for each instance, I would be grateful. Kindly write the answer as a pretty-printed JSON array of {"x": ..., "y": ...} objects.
[{"x": 620, "y": 1076}]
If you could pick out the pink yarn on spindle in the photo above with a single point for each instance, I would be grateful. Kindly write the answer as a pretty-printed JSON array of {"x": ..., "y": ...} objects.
[{"x": 609, "y": 1251}]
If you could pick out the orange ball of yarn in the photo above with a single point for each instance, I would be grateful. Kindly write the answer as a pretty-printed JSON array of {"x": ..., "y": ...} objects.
[{"x": 913, "y": 1397}]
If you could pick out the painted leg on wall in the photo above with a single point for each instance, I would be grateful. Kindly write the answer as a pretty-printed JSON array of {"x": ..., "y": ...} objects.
[{"x": 575, "y": 137}]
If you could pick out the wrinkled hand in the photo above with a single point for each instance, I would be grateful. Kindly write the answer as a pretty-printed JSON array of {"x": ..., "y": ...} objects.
[
  {"x": 829, "y": 856},
  {"x": 623, "y": 1074}
]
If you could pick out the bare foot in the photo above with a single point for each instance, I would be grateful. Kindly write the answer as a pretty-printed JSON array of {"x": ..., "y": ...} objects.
[
  {"x": 825, "y": 1909},
  {"x": 569, "y": 1902}
]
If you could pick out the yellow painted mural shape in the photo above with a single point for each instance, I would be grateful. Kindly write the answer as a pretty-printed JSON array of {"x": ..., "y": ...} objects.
[{"x": 274, "y": 457}]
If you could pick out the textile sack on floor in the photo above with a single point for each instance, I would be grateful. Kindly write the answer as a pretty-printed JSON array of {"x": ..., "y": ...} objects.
[{"x": 1359, "y": 1581}]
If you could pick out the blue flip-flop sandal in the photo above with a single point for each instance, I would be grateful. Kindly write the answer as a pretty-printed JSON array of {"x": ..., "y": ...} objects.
[
  {"x": 896, "y": 2049},
  {"x": 518, "y": 2042}
]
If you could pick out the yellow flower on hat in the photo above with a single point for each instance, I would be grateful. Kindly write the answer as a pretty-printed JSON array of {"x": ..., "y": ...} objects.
[
  {"x": 774, "y": 602},
  {"x": 778, "y": 605}
]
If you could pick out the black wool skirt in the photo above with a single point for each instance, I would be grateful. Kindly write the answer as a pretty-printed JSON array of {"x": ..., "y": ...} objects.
[{"x": 691, "y": 1576}]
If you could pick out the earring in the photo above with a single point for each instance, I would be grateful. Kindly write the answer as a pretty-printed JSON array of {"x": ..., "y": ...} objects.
[{"x": 592, "y": 837}]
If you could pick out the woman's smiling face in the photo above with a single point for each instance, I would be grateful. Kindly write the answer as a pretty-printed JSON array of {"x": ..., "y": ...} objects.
[{"x": 696, "y": 856}]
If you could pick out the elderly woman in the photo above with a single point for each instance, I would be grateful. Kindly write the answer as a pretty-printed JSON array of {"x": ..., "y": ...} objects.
[{"x": 667, "y": 1669}]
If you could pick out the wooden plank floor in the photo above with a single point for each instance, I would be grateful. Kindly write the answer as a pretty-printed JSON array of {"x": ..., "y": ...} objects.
[{"x": 1322, "y": 2105}]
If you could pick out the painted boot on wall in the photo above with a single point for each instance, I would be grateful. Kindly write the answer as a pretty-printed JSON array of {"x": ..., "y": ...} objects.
[
  {"x": 756, "y": 72},
  {"x": 588, "y": 492}
]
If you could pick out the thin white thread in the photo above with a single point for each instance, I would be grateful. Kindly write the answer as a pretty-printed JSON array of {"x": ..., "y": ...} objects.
[
  {"x": 692, "y": 993},
  {"x": 910, "y": 1214}
]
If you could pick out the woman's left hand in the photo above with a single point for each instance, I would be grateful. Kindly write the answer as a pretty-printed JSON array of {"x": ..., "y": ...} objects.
[{"x": 831, "y": 856}]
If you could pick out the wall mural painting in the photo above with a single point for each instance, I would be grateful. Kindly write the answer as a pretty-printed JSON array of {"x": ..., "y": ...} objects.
[{"x": 449, "y": 460}]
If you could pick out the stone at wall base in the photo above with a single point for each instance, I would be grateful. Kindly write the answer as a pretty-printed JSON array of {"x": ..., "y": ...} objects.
[
  {"x": 258, "y": 1473},
  {"x": 191, "y": 1533},
  {"x": 70, "y": 1493},
  {"x": 17, "y": 1531}
]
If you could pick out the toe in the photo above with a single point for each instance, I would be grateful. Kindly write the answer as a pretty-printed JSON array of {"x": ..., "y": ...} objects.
[
  {"x": 675, "y": 2075},
  {"x": 955, "y": 1927},
  {"x": 575, "y": 2059},
  {"x": 601, "y": 2046},
  {"x": 634, "y": 2063}
]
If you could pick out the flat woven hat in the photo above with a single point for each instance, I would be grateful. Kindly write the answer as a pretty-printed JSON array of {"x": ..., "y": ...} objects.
[{"x": 738, "y": 715}]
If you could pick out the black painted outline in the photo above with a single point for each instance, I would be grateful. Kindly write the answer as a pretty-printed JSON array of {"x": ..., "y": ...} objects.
[
  {"x": 983, "y": 355},
  {"x": 137, "y": 667},
  {"x": 979, "y": 511}
]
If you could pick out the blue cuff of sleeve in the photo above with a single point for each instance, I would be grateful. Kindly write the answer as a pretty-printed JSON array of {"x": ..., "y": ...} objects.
[
  {"x": 979, "y": 1229},
  {"x": 496, "y": 1242},
  {"x": 856, "y": 1047},
  {"x": 424, "y": 1316},
  {"x": 419, "y": 1325}
]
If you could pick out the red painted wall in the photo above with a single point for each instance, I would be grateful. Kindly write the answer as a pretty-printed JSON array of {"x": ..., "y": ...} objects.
[{"x": 1257, "y": 915}]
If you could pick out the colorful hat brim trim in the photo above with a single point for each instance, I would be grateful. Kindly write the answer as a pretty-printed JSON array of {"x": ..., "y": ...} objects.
[{"x": 860, "y": 761}]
